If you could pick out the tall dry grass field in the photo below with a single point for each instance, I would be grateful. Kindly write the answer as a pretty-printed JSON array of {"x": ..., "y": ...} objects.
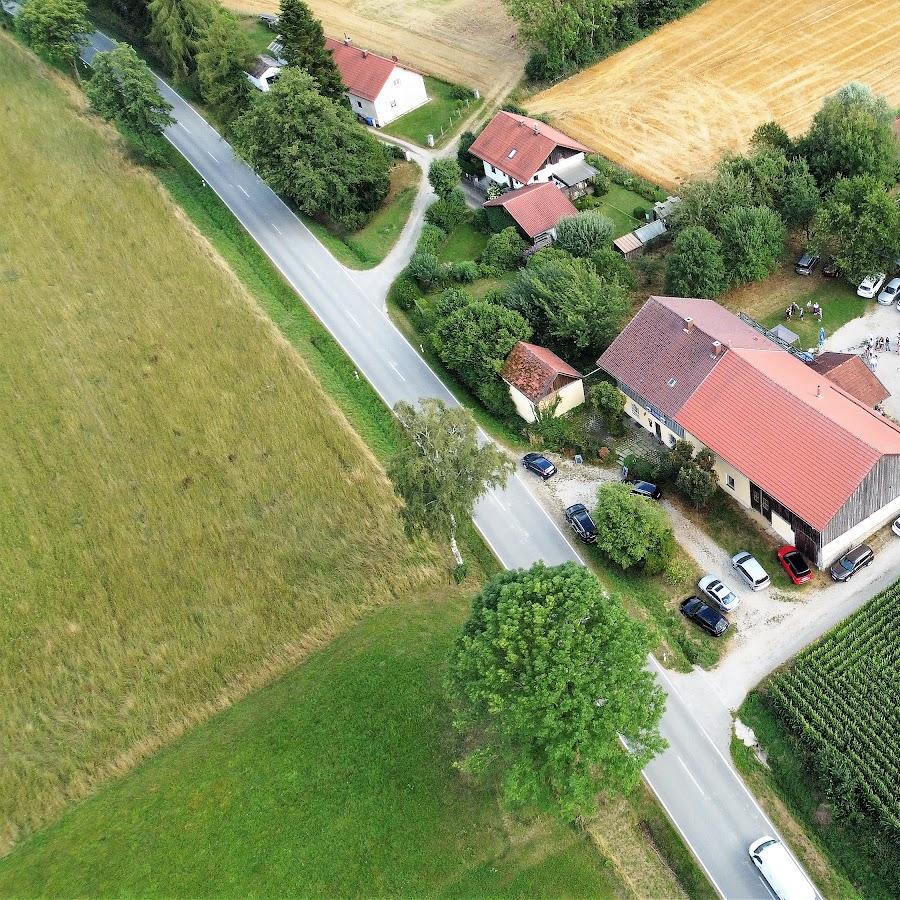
[
  {"x": 668, "y": 106},
  {"x": 183, "y": 513},
  {"x": 469, "y": 42}
]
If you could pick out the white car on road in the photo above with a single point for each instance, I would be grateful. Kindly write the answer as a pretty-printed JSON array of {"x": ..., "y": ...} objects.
[
  {"x": 786, "y": 879},
  {"x": 870, "y": 286},
  {"x": 890, "y": 292},
  {"x": 720, "y": 594}
]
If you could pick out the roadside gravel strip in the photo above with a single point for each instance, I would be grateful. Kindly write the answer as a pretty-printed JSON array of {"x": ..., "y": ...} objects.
[{"x": 695, "y": 783}]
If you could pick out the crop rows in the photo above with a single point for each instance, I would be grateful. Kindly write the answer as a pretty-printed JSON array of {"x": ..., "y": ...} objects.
[{"x": 842, "y": 698}]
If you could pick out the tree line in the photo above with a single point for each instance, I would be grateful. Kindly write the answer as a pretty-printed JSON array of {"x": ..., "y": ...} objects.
[
  {"x": 300, "y": 136},
  {"x": 835, "y": 182}
]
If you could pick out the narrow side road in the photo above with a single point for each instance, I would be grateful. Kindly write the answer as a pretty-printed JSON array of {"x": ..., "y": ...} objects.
[{"x": 698, "y": 787}]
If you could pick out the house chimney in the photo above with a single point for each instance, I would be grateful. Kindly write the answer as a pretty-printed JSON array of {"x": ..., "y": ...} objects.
[
  {"x": 818, "y": 390},
  {"x": 365, "y": 54},
  {"x": 536, "y": 129},
  {"x": 688, "y": 324},
  {"x": 394, "y": 59},
  {"x": 346, "y": 39},
  {"x": 717, "y": 348}
]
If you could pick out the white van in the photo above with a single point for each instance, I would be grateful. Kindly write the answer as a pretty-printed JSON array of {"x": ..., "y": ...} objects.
[{"x": 783, "y": 875}]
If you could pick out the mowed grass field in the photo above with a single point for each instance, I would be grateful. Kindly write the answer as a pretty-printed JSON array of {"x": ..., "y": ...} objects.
[
  {"x": 468, "y": 42},
  {"x": 183, "y": 512},
  {"x": 668, "y": 106}
]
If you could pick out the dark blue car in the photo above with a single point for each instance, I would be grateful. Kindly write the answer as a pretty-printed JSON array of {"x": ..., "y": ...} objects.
[{"x": 539, "y": 464}]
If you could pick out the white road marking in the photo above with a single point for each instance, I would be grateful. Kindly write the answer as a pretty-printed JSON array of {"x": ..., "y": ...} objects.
[
  {"x": 276, "y": 228},
  {"x": 188, "y": 130},
  {"x": 241, "y": 188},
  {"x": 690, "y": 774},
  {"x": 211, "y": 156},
  {"x": 354, "y": 319},
  {"x": 393, "y": 365}
]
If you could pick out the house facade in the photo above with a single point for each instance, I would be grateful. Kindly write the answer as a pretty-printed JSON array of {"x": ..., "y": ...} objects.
[
  {"x": 536, "y": 210},
  {"x": 516, "y": 151},
  {"x": 821, "y": 467},
  {"x": 264, "y": 72},
  {"x": 539, "y": 380},
  {"x": 379, "y": 89}
]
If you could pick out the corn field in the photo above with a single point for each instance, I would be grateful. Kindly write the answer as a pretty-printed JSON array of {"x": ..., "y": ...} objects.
[{"x": 842, "y": 698}]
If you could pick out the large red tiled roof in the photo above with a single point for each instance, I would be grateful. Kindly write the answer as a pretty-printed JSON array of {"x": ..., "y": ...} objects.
[
  {"x": 536, "y": 208},
  {"x": 849, "y": 372},
  {"x": 802, "y": 439},
  {"x": 657, "y": 347},
  {"x": 533, "y": 142},
  {"x": 537, "y": 371},
  {"x": 364, "y": 73}
]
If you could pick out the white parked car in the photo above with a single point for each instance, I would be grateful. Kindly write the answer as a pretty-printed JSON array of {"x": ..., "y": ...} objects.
[
  {"x": 720, "y": 594},
  {"x": 870, "y": 286},
  {"x": 782, "y": 874},
  {"x": 890, "y": 292},
  {"x": 752, "y": 573}
]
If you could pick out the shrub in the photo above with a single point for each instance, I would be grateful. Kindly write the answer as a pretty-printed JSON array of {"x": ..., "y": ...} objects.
[
  {"x": 405, "y": 292},
  {"x": 613, "y": 266},
  {"x": 581, "y": 235},
  {"x": 642, "y": 467},
  {"x": 502, "y": 253},
  {"x": 427, "y": 270},
  {"x": 609, "y": 402},
  {"x": 536, "y": 66},
  {"x": 394, "y": 152},
  {"x": 640, "y": 213},
  {"x": 468, "y": 163},
  {"x": 752, "y": 242},
  {"x": 443, "y": 176},
  {"x": 588, "y": 201},
  {"x": 601, "y": 182},
  {"x": 696, "y": 485},
  {"x": 449, "y": 211},
  {"x": 480, "y": 221},
  {"x": 632, "y": 532},
  {"x": 431, "y": 238},
  {"x": 695, "y": 267},
  {"x": 464, "y": 272},
  {"x": 458, "y": 92}
]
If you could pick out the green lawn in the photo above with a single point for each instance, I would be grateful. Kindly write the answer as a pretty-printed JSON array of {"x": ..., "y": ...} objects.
[
  {"x": 335, "y": 781},
  {"x": 441, "y": 112},
  {"x": 618, "y": 203},
  {"x": 260, "y": 36},
  {"x": 841, "y": 858},
  {"x": 464, "y": 242},
  {"x": 367, "y": 247}
]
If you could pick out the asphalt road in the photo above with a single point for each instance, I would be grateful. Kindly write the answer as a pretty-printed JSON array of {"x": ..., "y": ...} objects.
[{"x": 697, "y": 786}]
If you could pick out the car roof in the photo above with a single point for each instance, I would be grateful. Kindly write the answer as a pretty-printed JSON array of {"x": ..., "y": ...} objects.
[
  {"x": 645, "y": 484},
  {"x": 859, "y": 552},
  {"x": 750, "y": 564}
]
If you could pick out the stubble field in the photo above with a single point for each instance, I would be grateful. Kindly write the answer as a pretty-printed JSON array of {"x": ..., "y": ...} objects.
[
  {"x": 184, "y": 514},
  {"x": 668, "y": 106},
  {"x": 468, "y": 42}
]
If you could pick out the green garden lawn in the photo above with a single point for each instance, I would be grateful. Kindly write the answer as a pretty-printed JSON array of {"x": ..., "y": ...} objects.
[
  {"x": 619, "y": 204},
  {"x": 442, "y": 111}
]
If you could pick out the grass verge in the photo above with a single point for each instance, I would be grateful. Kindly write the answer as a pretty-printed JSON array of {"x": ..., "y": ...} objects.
[
  {"x": 836, "y": 855},
  {"x": 441, "y": 116},
  {"x": 368, "y": 246}
]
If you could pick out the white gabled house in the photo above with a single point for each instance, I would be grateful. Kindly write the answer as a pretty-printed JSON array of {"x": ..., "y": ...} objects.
[
  {"x": 265, "y": 70},
  {"x": 379, "y": 89},
  {"x": 517, "y": 151}
]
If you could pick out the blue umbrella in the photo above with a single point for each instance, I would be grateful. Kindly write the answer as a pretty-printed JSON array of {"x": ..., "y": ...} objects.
[{"x": 821, "y": 336}]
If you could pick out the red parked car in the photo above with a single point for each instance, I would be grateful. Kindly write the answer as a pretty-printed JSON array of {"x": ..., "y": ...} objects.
[{"x": 794, "y": 564}]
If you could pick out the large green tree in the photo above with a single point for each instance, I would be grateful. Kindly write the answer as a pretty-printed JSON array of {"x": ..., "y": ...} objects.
[
  {"x": 851, "y": 135},
  {"x": 304, "y": 47},
  {"x": 55, "y": 28},
  {"x": 631, "y": 530},
  {"x": 122, "y": 89},
  {"x": 178, "y": 27},
  {"x": 569, "y": 305},
  {"x": 442, "y": 468},
  {"x": 312, "y": 151},
  {"x": 547, "y": 680},
  {"x": 859, "y": 225},
  {"x": 801, "y": 196},
  {"x": 224, "y": 56},
  {"x": 443, "y": 176},
  {"x": 695, "y": 267},
  {"x": 752, "y": 242}
]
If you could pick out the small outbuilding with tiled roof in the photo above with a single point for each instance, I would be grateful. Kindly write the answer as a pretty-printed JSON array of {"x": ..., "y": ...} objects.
[
  {"x": 538, "y": 379},
  {"x": 517, "y": 150},
  {"x": 818, "y": 464},
  {"x": 536, "y": 209},
  {"x": 850, "y": 372},
  {"x": 379, "y": 89}
]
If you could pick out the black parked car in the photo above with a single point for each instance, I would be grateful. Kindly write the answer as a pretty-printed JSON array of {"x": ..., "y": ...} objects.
[
  {"x": 850, "y": 563},
  {"x": 704, "y": 615},
  {"x": 830, "y": 269},
  {"x": 539, "y": 464},
  {"x": 582, "y": 524},
  {"x": 806, "y": 264},
  {"x": 646, "y": 489}
]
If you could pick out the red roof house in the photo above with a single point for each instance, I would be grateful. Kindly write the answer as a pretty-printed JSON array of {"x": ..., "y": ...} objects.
[
  {"x": 536, "y": 208},
  {"x": 819, "y": 464},
  {"x": 850, "y": 372},
  {"x": 537, "y": 377},
  {"x": 517, "y": 150},
  {"x": 379, "y": 89}
]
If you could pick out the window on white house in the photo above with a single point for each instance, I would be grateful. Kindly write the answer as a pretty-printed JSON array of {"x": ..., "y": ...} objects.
[
  {"x": 635, "y": 409},
  {"x": 359, "y": 103},
  {"x": 393, "y": 102},
  {"x": 512, "y": 153},
  {"x": 672, "y": 382},
  {"x": 396, "y": 81},
  {"x": 729, "y": 481}
]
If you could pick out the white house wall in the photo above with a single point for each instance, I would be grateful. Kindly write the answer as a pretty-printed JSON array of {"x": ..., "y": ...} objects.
[
  {"x": 570, "y": 396},
  {"x": 404, "y": 91},
  {"x": 647, "y": 420},
  {"x": 498, "y": 176}
]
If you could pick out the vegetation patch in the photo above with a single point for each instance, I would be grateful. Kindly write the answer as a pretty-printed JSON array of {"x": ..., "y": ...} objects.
[{"x": 447, "y": 107}]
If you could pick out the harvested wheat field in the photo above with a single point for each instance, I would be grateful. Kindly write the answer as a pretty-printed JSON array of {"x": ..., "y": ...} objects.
[
  {"x": 183, "y": 513},
  {"x": 669, "y": 105},
  {"x": 469, "y": 42}
]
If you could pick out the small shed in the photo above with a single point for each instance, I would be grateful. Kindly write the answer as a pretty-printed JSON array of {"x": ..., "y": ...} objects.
[
  {"x": 629, "y": 245},
  {"x": 537, "y": 378},
  {"x": 784, "y": 334},
  {"x": 650, "y": 232},
  {"x": 264, "y": 72},
  {"x": 664, "y": 208}
]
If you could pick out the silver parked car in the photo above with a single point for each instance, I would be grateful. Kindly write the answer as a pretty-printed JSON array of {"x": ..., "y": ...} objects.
[
  {"x": 753, "y": 574},
  {"x": 890, "y": 292},
  {"x": 720, "y": 594}
]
